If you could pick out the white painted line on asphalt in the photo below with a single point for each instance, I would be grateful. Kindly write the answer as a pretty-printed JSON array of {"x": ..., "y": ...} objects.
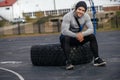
[
  {"x": 15, "y": 73},
  {"x": 11, "y": 62},
  {"x": 24, "y": 47}
]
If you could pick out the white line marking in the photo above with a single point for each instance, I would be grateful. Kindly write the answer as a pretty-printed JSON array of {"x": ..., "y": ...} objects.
[
  {"x": 18, "y": 75},
  {"x": 11, "y": 62}
]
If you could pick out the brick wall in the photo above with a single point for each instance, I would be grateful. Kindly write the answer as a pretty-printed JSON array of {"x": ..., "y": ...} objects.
[{"x": 114, "y": 8}]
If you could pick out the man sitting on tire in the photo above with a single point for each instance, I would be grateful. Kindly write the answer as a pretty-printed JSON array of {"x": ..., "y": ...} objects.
[{"x": 72, "y": 33}]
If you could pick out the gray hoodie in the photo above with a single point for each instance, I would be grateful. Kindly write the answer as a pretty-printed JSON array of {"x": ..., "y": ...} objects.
[{"x": 69, "y": 21}]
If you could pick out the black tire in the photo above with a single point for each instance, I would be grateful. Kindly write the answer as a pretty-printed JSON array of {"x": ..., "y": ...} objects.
[{"x": 53, "y": 55}]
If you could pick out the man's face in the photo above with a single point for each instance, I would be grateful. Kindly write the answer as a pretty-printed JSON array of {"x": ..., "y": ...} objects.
[{"x": 80, "y": 11}]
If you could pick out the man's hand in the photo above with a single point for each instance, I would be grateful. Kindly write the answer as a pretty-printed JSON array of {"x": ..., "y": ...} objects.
[{"x": 80, "y": 37}]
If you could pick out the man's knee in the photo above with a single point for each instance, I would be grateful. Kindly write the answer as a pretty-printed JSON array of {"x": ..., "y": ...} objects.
[{"x": 92, "y": 37}]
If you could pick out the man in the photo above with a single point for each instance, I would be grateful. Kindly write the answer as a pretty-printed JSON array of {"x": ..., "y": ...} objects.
[{"x": 72, "y": 33}]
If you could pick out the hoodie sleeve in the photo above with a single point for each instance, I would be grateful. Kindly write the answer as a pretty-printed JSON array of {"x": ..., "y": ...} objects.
[
  {"x": 89, "y": 25},
  {"x": 65, "y": 27}
]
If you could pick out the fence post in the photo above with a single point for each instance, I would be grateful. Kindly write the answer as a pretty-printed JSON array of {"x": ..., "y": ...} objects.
[
  {"x": 116, "y": 20},
  {"x": 19, "y": 28}
]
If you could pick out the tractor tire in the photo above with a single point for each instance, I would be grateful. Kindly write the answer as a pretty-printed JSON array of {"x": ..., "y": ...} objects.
[{"x": 53, "y": 55}]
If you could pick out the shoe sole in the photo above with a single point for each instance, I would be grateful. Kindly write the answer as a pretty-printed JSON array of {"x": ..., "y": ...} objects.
[
  {"x": 101, "y": 64},
  {"x": 70, "y": 68}
]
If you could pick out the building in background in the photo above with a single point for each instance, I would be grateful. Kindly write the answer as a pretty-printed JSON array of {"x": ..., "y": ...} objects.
[
  {"x": 111, "y": 5},
  {"x": 10, "y": 9}
]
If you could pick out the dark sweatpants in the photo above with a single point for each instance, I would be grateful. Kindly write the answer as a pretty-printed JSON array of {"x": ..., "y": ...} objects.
[{"x": 67, "y": 42}]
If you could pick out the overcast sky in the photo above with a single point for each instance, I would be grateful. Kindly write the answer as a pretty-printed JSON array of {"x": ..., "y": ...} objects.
[{"x": 49, "y": 4}]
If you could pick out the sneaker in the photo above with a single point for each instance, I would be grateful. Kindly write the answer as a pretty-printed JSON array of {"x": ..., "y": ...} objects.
[
  {"x": 69, "y": 67},
  {"x": 99, "y": 62}
]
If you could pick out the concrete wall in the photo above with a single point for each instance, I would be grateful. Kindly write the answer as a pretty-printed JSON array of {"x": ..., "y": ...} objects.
[{"x": 28, "y": 29}]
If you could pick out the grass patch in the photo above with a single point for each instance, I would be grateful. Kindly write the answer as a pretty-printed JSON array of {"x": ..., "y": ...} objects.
[
  {"x": 107, "y": 29},
  {"x": 28, "y": 35}
]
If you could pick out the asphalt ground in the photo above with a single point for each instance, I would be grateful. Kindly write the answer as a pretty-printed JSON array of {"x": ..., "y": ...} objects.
[{"x": 15, "y": 62}]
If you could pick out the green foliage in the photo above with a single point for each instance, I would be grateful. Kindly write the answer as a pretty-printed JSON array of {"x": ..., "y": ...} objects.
[
  {"x": 45, "y": 19},
  {"x": 42, "y": 20},
  {"x": 2, "y": 23},
  {"x": 118, "y": 13},
  {"x": 115, "y": 20},
  {"x": 27, "y": 18}
]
